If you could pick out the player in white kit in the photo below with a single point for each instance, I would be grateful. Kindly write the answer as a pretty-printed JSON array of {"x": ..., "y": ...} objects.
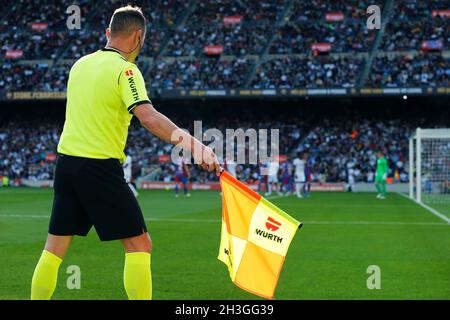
[
  {"x": 127, "y": 172},
  {"x": 274, "y": 166},
  {"x": 231, "y": 167},
  {"x": 350, "y": 178},
  {"x": 299, "y": 175}
]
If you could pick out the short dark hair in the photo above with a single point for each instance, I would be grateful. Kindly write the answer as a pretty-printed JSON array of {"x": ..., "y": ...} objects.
[{"x": 127, "y": 19}]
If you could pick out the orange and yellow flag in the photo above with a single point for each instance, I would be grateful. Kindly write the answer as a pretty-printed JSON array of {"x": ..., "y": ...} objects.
[{"x": 255, "y": 237}]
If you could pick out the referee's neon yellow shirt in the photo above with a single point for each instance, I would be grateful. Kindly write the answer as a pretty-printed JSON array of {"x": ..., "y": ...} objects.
[{"x": 102, "y": 91}]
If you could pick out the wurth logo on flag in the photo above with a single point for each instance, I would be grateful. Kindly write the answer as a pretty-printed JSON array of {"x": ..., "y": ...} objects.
[
  {"x": 129, "y": 73},
  {"x": 268, "y": 235},
  {"x": 272, "y": 224}
]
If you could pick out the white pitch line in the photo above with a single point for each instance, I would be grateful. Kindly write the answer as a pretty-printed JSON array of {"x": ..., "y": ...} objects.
[
  {"x": 20, "y": 216},
  {"x": 398, "y": 223},
  {"x": 317, "y": 222},
  {"x": 276, "y": 197},
  {"x": 182, "y": 220},
  {"x": 433, "y": 211}
]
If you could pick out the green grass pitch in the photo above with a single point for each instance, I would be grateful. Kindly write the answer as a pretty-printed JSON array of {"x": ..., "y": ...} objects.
[{"x": 342, "y": 235}]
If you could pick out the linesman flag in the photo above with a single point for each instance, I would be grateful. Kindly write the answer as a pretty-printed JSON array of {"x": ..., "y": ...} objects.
[{"x": 255, "y": 237}]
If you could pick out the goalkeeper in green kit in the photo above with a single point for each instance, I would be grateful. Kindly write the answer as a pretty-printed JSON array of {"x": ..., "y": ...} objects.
[{"x": 381, "y": 176}]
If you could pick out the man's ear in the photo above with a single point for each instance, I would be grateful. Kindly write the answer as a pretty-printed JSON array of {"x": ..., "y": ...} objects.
[
  {"x": 107, "y": 33},
  {"x": 140, "y": 38},
  {"x": 141, "y": 34}
]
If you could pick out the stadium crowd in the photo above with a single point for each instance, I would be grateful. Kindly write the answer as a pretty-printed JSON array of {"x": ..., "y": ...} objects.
[
  {"x": 29, "y": 77},
  {"x": 332, "y": 145},
  {"x": 34, "y": 45},
  {"x": 209, "y": 73},
  {"x": 295, "y": 38},
  {"x": 240, "y": 40},
  {"x": 24, "y": 149},
  {"x": 21, "y": 14},
  {"x": 213, "y": 11},
  {"x": 407, "y": 70},
  {"x": 333, "y": 149},
  {"x": 409, "y": 34},
  {"x": 162, "y": 13},
  {"x": 317, "y": 9},
  {"x": 179, "y": 29},
  {"x": 295, "y": 72},
  {"x": 267, "y": 45}
]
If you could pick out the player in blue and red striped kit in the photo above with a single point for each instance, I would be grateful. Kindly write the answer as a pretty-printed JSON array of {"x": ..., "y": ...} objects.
[
  {"x": 286, "y": 178},
  {"x": 182, "y": 176},
  {"x": 307, "y": 185}
]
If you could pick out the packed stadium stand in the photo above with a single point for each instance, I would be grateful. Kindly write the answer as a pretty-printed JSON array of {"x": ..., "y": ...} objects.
[
  {"x": 232, "y": 47},
  {"x": 207, "y": 44},
  {"x": 334, "y": 140}
]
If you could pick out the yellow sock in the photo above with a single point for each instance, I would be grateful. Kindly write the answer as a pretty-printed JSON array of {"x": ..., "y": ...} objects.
[
  {"x": 45, "y": 276},
  {"x": 137, "y": 277}
]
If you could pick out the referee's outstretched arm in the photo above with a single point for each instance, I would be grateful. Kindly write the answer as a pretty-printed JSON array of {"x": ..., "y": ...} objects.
[{"x": 162, "y": 127}]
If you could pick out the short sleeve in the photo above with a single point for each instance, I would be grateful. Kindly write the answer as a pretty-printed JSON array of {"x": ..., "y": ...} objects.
[{"x": 132, "y": 87}]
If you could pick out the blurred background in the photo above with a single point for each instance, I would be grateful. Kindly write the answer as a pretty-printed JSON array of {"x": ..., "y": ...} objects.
[{"x": 335, "y": 89}]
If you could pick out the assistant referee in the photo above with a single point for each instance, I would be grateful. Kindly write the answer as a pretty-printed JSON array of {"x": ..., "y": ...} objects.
[{"x": 105, "y": 89}]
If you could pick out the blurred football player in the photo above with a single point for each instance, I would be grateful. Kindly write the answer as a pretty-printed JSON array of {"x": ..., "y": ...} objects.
[
  {"x": 230, "y": 166},
  {"x": 274, "y": 166},
  {"x": 307, "y": 186},
  {"x": 381, "y": 176},
  {"x": 182, "y": 176},
  {"x": 127, "y": 171},
  {"x": 300, "y": 178},
  {"x": 350, "y": 178},
  {"x": 262, "y": 177},
  {"x": 286, "y": 177}
]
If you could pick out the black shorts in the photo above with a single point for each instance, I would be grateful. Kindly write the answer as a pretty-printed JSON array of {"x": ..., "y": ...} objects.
[{"x": 93, "y": 192}]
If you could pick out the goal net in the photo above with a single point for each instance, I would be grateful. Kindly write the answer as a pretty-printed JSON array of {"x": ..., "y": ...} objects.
[{"x": 429, "y": 153}]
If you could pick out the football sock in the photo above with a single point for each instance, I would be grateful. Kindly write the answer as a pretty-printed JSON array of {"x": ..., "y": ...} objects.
[
  {"x": 298, "y": 187},
  {"x": 383, "y": 188},
  {"x": 176, "y": 188},
  {"x": 185, "y": 189},
  {"x": 137, "y": 276},
  {"x": 45, "y": 276},
  {"x": 378, "y": 188},
  {"x": 133, "y": 189}
]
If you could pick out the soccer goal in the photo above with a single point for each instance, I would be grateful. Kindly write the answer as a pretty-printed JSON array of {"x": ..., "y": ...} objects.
[{"x": 429, "y": 168}]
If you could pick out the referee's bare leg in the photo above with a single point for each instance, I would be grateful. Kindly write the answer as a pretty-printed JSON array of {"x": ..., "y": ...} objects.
[{"x": 142, "y": 243}]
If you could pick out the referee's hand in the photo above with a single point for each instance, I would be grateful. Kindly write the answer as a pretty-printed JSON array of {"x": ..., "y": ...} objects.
[{"x": 209, "y": 161}]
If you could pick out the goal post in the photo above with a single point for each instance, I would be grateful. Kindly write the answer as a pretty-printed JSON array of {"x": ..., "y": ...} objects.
[{"x": 429, "y": 167}]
